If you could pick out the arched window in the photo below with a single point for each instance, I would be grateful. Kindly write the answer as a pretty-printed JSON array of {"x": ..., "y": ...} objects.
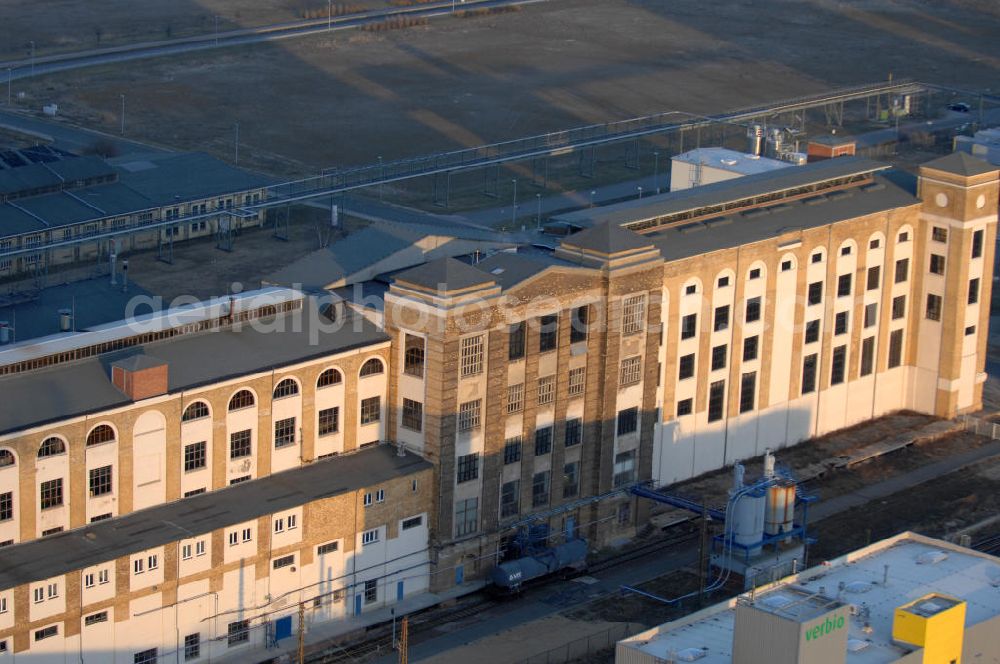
[
  {"x": 51, "y": 447},
  {"x": 195, "y": 411},
  {"x": 242, "y": 399},
  {"x": 100, "y": 434},
  {"x": 329, "y": 377},
  {"x": 286, "y": 388},
  {"x": 7, "y": 458},
  {"x": 371, "y": 368}
]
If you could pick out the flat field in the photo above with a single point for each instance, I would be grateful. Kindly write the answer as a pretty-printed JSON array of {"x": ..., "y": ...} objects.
[{"x": 350, "y": 97}]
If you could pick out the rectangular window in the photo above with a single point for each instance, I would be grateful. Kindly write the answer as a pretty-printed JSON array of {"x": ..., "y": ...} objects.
[
  {"x": 838, "y": 365},
  {"x": 723, "y": 282},
  {"x": 471, "y": 356},
  {"x": 293, "y": 521},
  {"x": 685, "y": 367},
  {"x": 369, "y": 537},
  {"x": 512, "y": 450},
  {"x": 750, "y": 348},
  {"x": 284, "y": 561},
  {"x": 279, "y": 525},
  {"x": 284, "y": 432},
  {"x": 413, "y": 356},
  {"x": 786, "y": 266},
  {"x": 540, "y": 489},
  {"x": 88, "y": 582},
  {"x": 95, "y": 618},
  {"x": 574, "y": 432},
  {"x": 628, "y": 421},
  {"x": 195, "y": 456},
  {"x": 413, "y": 415},
  {"x": 51, "y": 493},
  {"x": 466, "y": 516},
  {"x": 631, "y": 371},
  {"x": 329, "y": 547},
  {"x": 543, "y": 441},
  {"x": 154, "y": 562},
  {"x": 371, "y": 591},
  {"x": 716, "y": 400},
  {"x": 468, "y": 467},
  {"x": 469, "y": 415},
  {"x": 548, "y": 333},
  {"x": 874, "y": 276},
  {"x": 234, "y": 538},
  {"x": 510, "y": 499},
  {"x": 898, "y": 307},
  {"x": 939, "y": 234},
  {"x": 246, "y": 535},
  {"x": 138, "y": 566},
  {"x": 412, "y": 522},
  {"x": 721, "y": 318},
  {"x": 329, "y": 421},
  {"x": 367, "y": 501},
  {"x": 371, "y": 410},
  {"x": 755, "y": 273},
  {"x": 969, "y": 331},
  {"x": 902, "y": 270},
  {"x": 840, "y": 323},
  {"x": 6, "y": 506},
  {"x": 239, "y": 480},
  {"x": 719, "y": 354},
  {"x": 685, "y": 407},
  {"x": 815, "y": 295},
  {"x": 239, "y": 444},
  {"x": 39, "y": 595},
  {"x": 624, "y": 470},
  {"x": 753, "y": 310},
  {"x": 238, "y": 632},
  {"x": 199, "y": 548},
  {"x": 871, "y": 314},
  {"x": 578, "y": 324},
  {"x": 937, "y": 264},
  {"x": 973, "y": 291},
  {"x": 571, "y": 479},
  {"x": 843, "y": 285},
  {"x": 546, "y": 390},
  {"x": 809, "y": 374},
  {"x": 748, "y": 387},
  {"x": 812, "y": 332},
  {"x": 867, "y": 356},
  {"x": 577, "y": 380},
  {"x": 186, "y": 552},
  {"x": 192, "y": 647},
  {"x": 689, "y": 326},
  {"x": 46, "y": 632},
  {"x": 515, "y": 398},
  {"x": 977, "y": 244},
  {"x": 633, "y": 314},
  {"x": 895, "y": 348},
  {"x": 933, "y": 307},
  {"x": 515, "y": 341},
  {"x": 193, "y": 492}
]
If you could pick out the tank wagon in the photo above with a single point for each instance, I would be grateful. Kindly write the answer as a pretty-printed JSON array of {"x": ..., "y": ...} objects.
[{"x": 568, "y": 558}]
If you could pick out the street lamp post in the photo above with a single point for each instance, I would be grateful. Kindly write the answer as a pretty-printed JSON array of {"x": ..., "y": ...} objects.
[
  {"x": 513, "y": 210},
  {"x": 329, "y": 14},
  {"x": 656, "y": 170},
  {"x": 640, "y": 192},
  {"x": 123, "y": 115},
  {"x": 538, "y": 211},
  {"x": 592, "y": 194}
]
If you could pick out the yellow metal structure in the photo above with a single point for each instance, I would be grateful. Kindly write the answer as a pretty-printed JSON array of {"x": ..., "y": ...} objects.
[{"x": 935, "y": 623}]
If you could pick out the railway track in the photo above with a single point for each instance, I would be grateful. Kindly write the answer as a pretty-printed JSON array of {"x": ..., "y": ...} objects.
[{"x": 422, "y": 624}]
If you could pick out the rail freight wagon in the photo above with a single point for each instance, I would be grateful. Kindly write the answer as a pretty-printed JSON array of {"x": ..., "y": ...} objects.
[{"x": 570, "y": 557}]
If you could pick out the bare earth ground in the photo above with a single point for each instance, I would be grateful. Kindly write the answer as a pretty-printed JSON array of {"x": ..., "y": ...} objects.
[
  {"x": 74, "y": 25},
  {"x": 325, "y": 101}
]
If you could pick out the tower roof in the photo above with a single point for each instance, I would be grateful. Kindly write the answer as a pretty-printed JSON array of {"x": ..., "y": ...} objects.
[
  {"x": 961, "y": 163},
  {"x": 607, "y": 238},
  {"x": 445, "y": 275}
]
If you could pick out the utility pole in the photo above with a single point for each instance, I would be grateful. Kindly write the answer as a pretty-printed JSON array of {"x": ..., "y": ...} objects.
[
  {"x": 702, "y": 553},
  {"x": 237, "y": 144},
  {"x": 302, "y": 632},
  {"x": 656, "y": 170},
  {"x": 329, "y": 14},
  {"x": 513, "y": 209},
  {"x": 404, "y": 640},
  {"x": 538, "y": 211},
  {"x": 123, "y": 115}
]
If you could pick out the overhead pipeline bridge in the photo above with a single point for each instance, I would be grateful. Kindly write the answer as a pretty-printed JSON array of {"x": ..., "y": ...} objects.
[{"x": 335, "y": 181}]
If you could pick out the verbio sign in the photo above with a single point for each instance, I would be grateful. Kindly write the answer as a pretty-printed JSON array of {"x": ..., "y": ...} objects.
[{"x": 831, "y": 624}]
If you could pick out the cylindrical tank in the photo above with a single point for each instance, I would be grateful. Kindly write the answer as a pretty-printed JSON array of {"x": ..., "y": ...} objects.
[
  {"x": 774, "y": 144},
  {"x": 780, "y": 507},
  {"x": 65, "y": 320},
  {"x": 755, "y": 139},
  {"x": 748, "y": 520}
]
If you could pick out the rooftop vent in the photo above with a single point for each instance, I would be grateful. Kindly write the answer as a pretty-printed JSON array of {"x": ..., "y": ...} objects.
[
  {"x": 140, "y": 376},
  {"x": 931, "y": 557},
  {"x": 857, "y": 645},
  {"x": 857, "y": 587},
  {"x": 691, "y": 654}
]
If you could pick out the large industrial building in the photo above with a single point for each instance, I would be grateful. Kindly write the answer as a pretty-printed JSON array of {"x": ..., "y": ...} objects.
[
  {"x": 670, "y": 337},
  {"x": 906, "y": 600}
]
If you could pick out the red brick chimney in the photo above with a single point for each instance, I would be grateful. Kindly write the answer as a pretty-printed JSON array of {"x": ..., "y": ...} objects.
[{"x": 140, "y": 376}]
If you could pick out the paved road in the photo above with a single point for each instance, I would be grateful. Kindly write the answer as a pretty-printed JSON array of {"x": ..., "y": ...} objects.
[
  {"x": 69, "y": 137},
  {"x": 66, "y": 62}
]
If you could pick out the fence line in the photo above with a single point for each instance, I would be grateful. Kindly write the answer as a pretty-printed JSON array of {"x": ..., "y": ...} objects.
[
  {"x": 980, "y": 426},
  {"x": 585, "y": 645}
]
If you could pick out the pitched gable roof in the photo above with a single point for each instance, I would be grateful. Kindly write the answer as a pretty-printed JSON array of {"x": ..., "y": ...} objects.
[
  {"x": 961, "y": 163},
  {"x": 607, "y": 238}
]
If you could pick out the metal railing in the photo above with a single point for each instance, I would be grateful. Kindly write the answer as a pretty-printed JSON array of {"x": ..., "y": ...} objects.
[
  {"x": 980, "y": 426},
  {"x": 585, "y": 645}
]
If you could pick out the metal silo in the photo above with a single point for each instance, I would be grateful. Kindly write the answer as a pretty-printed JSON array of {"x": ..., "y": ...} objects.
[{"x": 755, "y": 139}]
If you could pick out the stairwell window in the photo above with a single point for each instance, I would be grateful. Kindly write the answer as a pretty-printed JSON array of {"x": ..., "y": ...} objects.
[
  {"x": 515, "y": 398},
  {"x": 631, "y": 371},
  {"x": 838, "y": 365},
  {"x": 469, "y": 415},
  {"x": 413, "y": 415},
  {"x": 748, "y": 387},
  {"x": 628, "y": 421},
  {"x": 471, "y": 356},
  {"x": 548, "y": 333},
  {"x": 466, "y": 517},
  {"x": 721, "y": 318},
  {"x": 633, "y": 314},
  {"x": 902, "y": 270},
  {"x": 577, "y": 381},
  {"x": 933, "y": 307},
  {"x": 809, "y": 373},
  {"x": 716, "y": 397},
  {"x": 468, "y": 468},
  {"x": 973, "y": 291},
  {"x": 546, "y": 390},
  {"x": 937, "y": 264}
]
